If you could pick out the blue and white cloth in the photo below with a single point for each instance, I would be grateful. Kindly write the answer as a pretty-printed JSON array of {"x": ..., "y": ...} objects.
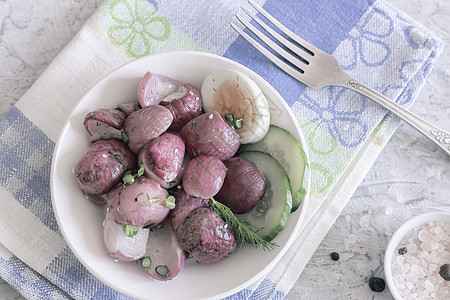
[{"x": 374, "y": 42}]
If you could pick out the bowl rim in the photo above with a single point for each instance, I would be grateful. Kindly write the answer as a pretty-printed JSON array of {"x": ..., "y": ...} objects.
[
  {"x": 231, "y": 63},
  {"x": 410, "y": 224}
]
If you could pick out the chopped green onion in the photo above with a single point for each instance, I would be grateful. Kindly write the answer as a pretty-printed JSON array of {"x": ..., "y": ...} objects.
[
  {"x": 195, "y": 137},
  {"x": 155, "y": 226},
  {"x": 179, "y": 158},
  {"x": 125, "y": 137},
  {"x": 146, "y": 262},
  {"x": 128, "y": 178},
  {"x": 130, "y": 230},
  {"x": 238, "y": 123},
  {"x": 141, "y": 170},
  {"x": 229, "y": 117},
  {"x": 196, "y": 153},
  {"x": 234, "y": 123},
  {"x": 162, "y": 270},
  {"x": 170, "y": 202}
]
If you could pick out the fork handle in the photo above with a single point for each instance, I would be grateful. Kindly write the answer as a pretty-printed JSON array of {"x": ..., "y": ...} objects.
[{"x": 437, "y": 135}]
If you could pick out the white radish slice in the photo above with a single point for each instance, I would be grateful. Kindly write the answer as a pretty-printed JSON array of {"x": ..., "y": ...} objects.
[
  {"x": 153, "y": 88},
  {"x": 101, "y": 131},
  {"x": 104, "y": 124},
  {"x": 164, "y": 257},
  {"x": 120, "y": 246}
]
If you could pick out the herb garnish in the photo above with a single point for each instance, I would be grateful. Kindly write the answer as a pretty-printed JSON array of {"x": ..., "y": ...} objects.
[
  {"x": 194, "y": 153},
  {"x": 234, "y": 123},
  {"x": 130, "y": 230},
  {"x": 155, "y": 226},
  {"x": 125, "y": 137},
  {"x": 170, "y": 202},
  {"x": 238, "y": 123},
  {"x": 162, "y": 270},
  {"x": 195, "y": 137},
  {"x": 117, "y": 156},
  {"x": 146, "y": 262},
  {"x": 128, "y": 177},
  {"x": 244, "y": 231},
  {"x": 180, "y": 160}
]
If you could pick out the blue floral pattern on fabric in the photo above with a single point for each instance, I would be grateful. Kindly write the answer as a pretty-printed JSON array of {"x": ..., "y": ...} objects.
[
  {"x": 406, "y": 96},
  {"x": 368, "y": 40},
  {"x": 342, "y": 113},
  {"x": 154, "y": 2},
  {"x": 415, "y": 39},
  {"x": 343, "y": 122}
]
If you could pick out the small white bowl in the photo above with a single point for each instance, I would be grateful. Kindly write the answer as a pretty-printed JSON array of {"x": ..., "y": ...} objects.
[{"x": 398, "y": 236}]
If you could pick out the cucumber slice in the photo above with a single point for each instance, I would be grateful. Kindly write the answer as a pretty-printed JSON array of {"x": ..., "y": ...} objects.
[
  {"x": 273, "y": 210},
  {"x": 285, "y": 148}
]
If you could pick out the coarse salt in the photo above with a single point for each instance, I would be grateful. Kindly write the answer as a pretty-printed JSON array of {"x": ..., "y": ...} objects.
[
  {"x": 364, "y": 221},
  {"x": 416, "y": 272}
]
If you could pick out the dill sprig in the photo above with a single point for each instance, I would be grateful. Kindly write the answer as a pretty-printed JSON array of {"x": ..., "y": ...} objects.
[{"x": 244, "y": 231}]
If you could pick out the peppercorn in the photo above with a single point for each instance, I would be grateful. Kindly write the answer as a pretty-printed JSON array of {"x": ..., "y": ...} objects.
[
  {"x": 334, "y": 256},
  {"x": 402, "y": 251},
  {"x": 445, "y": 272},
  {"x": 377, "y": 284}
]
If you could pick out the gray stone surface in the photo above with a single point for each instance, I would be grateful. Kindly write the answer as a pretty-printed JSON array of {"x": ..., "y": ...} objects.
[{"x": 410, "y": 176}]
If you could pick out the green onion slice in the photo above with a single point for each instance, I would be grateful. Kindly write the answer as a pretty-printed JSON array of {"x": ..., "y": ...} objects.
[
  {"x": 141, "y": 170},
  {"x": 130, "y": 230},
  {"x": 238, "y": 123},
  {"x": 170, "y": 202},
  {"x": 229, "y": 117},
  {"x": 125, "y": 137},
  {"x": 146, "y": 262},
  {"x": 162, "y": 270},
  {"x": 128, "y": 178}
]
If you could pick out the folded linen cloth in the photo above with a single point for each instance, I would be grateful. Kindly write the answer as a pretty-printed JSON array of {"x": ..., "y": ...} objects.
[{"x": 374, "y": 42}]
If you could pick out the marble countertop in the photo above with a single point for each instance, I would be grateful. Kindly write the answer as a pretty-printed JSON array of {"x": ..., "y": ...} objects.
[{"x": 410, "y": 176}]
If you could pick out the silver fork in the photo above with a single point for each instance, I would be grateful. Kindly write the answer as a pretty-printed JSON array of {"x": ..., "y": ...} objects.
[{"x": 319, "y": 69}]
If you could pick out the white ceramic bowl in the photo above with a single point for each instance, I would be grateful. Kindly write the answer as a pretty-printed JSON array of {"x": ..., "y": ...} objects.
[
  {"x": 398, "y": 236},
  {"x": 81, "y": 222}
]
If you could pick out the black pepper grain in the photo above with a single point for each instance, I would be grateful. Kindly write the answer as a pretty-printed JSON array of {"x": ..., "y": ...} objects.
[
  {"x": 402, "y": 251},
  {"x": 334, "y": 256},
  {"x": 377, "y": 284},
  {"x": 445, "y": 272}
]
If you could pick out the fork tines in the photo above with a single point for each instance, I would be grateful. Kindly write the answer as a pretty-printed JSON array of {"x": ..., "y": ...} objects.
[{"x": 295, "y": 61}]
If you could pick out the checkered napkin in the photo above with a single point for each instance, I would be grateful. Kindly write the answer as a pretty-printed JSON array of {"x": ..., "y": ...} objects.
[{"x": 374, "y": 42}]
